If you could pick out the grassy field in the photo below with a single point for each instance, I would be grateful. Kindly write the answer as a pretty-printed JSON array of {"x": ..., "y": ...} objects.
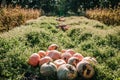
[{"x": 88, "y": 37}]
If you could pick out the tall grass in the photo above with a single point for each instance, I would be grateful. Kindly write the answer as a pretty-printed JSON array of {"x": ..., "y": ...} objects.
[
  {"x": 12, "y": 17},
  {"x": 108, "y": 16}
]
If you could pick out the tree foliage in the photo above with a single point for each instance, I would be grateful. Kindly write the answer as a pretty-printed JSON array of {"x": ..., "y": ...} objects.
[{"x": 57, "y": 6}]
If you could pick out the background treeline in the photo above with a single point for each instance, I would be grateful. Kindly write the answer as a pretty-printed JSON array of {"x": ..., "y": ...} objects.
[
  {"x": 16, "y": 12},
  {"x": 63, "y": 6}
]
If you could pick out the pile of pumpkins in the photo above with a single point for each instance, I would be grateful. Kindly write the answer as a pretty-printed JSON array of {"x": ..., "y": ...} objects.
[{"x": 66, "y": 64}]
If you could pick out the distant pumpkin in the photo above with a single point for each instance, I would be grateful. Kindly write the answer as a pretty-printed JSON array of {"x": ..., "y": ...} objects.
[
  {"x": 48, "y": 69},
  {"x": 34, "y": 59},
  {"x": 66, "y": 72},
  {"x": 85, "y": 69},
  {"x": 53, "y": 47}
]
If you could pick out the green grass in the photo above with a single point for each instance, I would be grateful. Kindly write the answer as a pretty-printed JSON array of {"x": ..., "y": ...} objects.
[{"x": 88, "y": 37}]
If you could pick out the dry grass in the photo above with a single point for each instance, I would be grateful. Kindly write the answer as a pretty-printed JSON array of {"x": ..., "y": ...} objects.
[
  {"x": 12, "y": 17},
  {"x": 107, "y": 16}
]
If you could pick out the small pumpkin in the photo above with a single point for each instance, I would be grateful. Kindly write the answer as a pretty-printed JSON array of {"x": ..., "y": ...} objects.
[
  {"x": 45, "y": 60},
  {"x": 34, "y": 59},
  {"x": 85, "y": 70},
  {"x": 54, "y": 54},
  {"x": 73, "y": 61},
  {"x": 66, "y": 72},
  {"x": 42, "y": 53},
  {"x": 63, "y": 50},
  {"x": 61, "y": 19},
  {"x": 71, "y": 51},
  {"x": 48, "y": 69},
  {"x": 53, "y": 47},
  {"x": 79, "y": 56},
  {"x": 66, "y": 56},
  {"x": 59, "y": 62}
]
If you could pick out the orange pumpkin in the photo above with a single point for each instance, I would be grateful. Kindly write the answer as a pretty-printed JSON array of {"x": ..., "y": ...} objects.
[
  {"x": 59, "y": 62},
  {"x": 48, "y": 69},
  {"x": 42, "y": 53},
  {"x": 73, "y": 61},
  {"x": 45, "y": 60},
  {"x": 79, "y": 56},
  {"x": 63, "y": 50},
  {"x": 61, "y": 19},
  {"x": 53, "y": 47},
  {"x": 72, "y": 52},
  {"x": 54, "y": 54},
  {"x": 66, "y": 56},
  {"x": 66, "y": 72},
  {"x": 85, "y": 70},
  {"x": 34, "y": 59}
]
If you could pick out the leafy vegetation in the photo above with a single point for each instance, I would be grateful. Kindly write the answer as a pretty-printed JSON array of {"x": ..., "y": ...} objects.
[{"x": 19, "y": 43}]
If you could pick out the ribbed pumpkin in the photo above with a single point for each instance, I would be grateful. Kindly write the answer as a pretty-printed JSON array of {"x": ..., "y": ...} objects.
[
  {"x": 59, "y": 62},
  {"x": 45, "y": 60},
  {"x": 85, "y": 70},
  {"x": 73, "y": 61},
  {"x": 34, "y": 59},
  {"x": 53, "y": 47},
  {"x": 66, "y": 72},
  {"x": 54, "y": 54},
  {"x": 48, "y": 69}
]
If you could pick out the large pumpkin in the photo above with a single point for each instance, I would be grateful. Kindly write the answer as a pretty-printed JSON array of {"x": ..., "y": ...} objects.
[
  {"x": 48, "y": 69},
  {"x": 66, "y": 72},
  {"x": 59, "y": 62},
  {"x": 85, "y": 70},
  {"x": 73, "y": 61},
  {"x": 53, "y": 47},
  {"x": 34, "y": 59},
  {"x": 66, "y": 56},
  {"x": 45, "y": 60},
  {"x": 54, "y": 54}
]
